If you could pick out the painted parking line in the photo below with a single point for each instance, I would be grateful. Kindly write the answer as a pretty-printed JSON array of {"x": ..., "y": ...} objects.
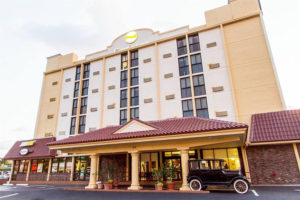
[
  {"x": 255, "y": 193},
  {"x": 297, "y": 190},
  {"x": 10, "y": 195}
]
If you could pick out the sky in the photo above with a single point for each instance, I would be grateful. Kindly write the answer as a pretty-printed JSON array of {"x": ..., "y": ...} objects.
[{"x": 32, "y": 30}]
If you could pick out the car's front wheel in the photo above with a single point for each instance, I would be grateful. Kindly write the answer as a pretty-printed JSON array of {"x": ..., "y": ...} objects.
[
  {"x": 241, "y": 186},
  {"x": 195, "y": 185}
]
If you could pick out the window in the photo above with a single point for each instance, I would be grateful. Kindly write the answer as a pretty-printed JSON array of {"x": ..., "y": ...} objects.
[
  {"x": 183, "y": 66},
  {"x": 134, "y": 96},
  {"x": 194, "y": 43},
  {"x": 77, "y": 76},
  {"x": 185, "y": 86},
  {"x": 201, "y": 107},
  {"x": 134, "y": 58},
  {"x": 83, "y": 107},
  {"x": 194, "y": 164},
  {"x": 34, "y": 165},
  {"x": 124, "y": 61},
  {"x": 85, "y": 87},
  {"x": 69, "y": 165},
  {"x": 86, "y": 72},
  {"x": 76, "y": 89},
  {"x": 74, "y": 108},
  {"x": 181, "y": 46},
  {"x": 123, "y": 116},
  {"x": 134, "y": 77},
  {"x": 199, "y": 85},
  {"x": 187, "y": 108},
  {"x": 82, "y": 124},
  {"x": 123, "y": 102},
  {"x": 196, "y": 62},
  {"x": 54, "y": 168},
  {"x": 229, "y": 155},
  {"x": 148, "y": 163},
  {"x": 73, "y": 124},
  {"x": 123, "y": 79},
  {"x": 134, "y": 113}
]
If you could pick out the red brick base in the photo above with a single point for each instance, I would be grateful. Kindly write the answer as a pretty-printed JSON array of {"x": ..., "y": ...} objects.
[{"x": 273, "y": 164}]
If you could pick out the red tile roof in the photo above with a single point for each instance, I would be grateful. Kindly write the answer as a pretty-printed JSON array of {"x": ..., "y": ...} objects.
[
  {"x": 275, "y": 126},
  {"x": 162, "y": 127},
  {"x": 38, "y": 150}
]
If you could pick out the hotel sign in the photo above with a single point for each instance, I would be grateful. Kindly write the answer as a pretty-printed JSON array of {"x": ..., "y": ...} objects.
[
  {"x": 131, "y": 37},
  {"x": 24, "y": 152},
  {"x": 27, "y": 143}
]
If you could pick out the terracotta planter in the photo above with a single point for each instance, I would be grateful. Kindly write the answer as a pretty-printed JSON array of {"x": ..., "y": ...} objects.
[
  {"x": 100, "y": 185},
  {"x": 158, "y": 187},
  {"x": 171, "y": 186},
  {"x": 108, "y": 186}
]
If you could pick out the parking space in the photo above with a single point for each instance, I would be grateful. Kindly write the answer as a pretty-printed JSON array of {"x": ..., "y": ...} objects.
[{"x": 45, "y": 192}]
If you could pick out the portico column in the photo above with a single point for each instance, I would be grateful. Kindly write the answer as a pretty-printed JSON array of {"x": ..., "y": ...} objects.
[
  {"x": 72, "y": 170},
  {"x": 49, "y": 169},
  {"x": 11, "y": 171},
  {"x": 135, "y": 184},
  {"x": 28, "y": 170},
  {"x": 93, "y": 173},
  {"x": 184, "y": 152}
]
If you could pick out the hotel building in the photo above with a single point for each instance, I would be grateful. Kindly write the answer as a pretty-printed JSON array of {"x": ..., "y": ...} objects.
[{"x": 151, "y": 98}]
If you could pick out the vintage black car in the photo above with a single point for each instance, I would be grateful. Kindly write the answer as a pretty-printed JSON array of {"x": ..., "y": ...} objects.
[{"x": 205, "y": 172}]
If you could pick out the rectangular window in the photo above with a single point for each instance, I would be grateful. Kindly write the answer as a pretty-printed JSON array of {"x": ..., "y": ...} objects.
[
  {"x": 134, "y": 96},
  {"x": 34, "y": 165},
  {"x": 183, "y": 66},
  {"x": 54, "y": 168},
  {"x": 123, "y": 79},
  {"x": 185, "y": 86},
  {"x": 73, "y": 124},
  {"x": 181, "y": 46},
  {"x": 199, "y": 85},
  {"x": 123, "y": 116},
  {"x": 82, "y": 124},
  {"x": 83, "y": 106},
  {"x": 187, "y": 108},
  {"x": 86, "y": 72},
  {"x": 77, "y": 76},
  {"x": 196, "y": 62},
  {"x": 124, "y": 61},
  {"x": 134, "y": 113},
  {"x": 201, "y": 107},
  {"x": 85, "y": 87},
  {"x": 134, "y": 58},
  {"x": 194, "y": 43},
  {"x": 134, "y": 77},
  {"x": 74, "y": 108},
  {"x": 76, "y": 89},
  {"x": 123, "y": 102}
]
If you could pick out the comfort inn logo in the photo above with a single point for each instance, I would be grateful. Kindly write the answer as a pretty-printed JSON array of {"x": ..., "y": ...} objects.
[{"x": 131, "y": 37}]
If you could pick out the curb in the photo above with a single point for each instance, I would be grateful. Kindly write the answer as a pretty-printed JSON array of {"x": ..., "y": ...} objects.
[{"x": 153, "y": 191}]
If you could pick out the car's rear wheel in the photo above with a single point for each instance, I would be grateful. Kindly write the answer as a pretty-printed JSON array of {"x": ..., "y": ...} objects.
[
  {"x": 195, "y": 185},
  {"x": 241, "y": 186}
]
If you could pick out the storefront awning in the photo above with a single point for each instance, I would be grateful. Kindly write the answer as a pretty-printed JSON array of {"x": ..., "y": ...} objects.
[{"x": 27, "y": 149}]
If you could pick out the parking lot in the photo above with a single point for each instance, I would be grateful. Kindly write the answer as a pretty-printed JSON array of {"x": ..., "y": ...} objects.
[{"x": 53, "y": 192}]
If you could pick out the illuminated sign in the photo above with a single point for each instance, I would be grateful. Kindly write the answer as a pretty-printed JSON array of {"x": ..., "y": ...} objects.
[
  {"x": 131, "y": 37},
  {"x": 27, "y": 143},
  {"x": 24, "y": 152}
]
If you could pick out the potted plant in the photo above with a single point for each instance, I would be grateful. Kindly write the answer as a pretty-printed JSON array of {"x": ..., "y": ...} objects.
[
  {"x": 159, "y": 186},
  {"x": 158, "y": 174},
  {"x": 99, "y": 183},
  {"x": 170, "y": 172},
  {"x": 109, "y": 184},
  {"x": 110, "y": 170},
  {"x": 116, "y": 184}
]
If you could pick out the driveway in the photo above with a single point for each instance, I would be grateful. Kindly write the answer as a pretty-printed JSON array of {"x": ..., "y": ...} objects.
[{"x": 56, "y": 192}]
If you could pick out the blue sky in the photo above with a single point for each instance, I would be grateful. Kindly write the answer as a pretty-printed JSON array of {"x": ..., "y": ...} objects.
[{"x": 32, "y": 30}]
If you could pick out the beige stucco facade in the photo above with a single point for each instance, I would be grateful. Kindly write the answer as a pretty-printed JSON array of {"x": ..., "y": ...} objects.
[{"x": 249, "y": 79}]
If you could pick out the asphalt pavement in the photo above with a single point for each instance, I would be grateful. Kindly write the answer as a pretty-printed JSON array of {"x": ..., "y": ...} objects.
[{"x": 56, "y": 192}]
